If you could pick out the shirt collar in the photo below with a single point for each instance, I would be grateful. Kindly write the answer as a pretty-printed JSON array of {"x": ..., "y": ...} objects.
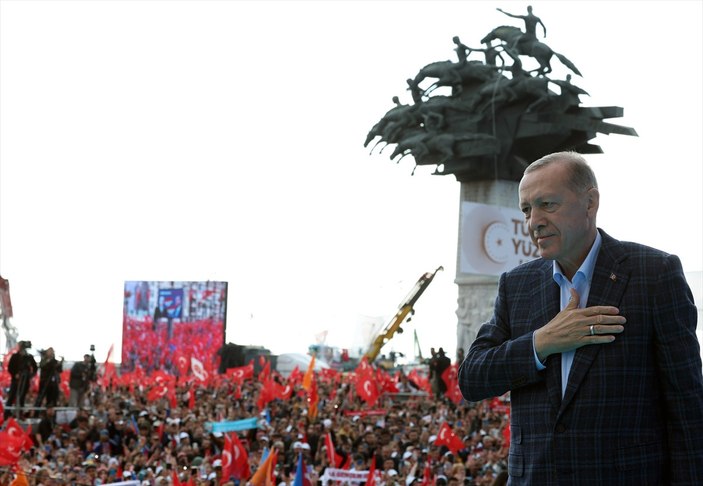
[{"x": 586, "y": 268}]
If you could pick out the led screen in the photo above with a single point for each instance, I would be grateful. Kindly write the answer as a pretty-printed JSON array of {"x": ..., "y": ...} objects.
[{"x": 167, "y": 323}]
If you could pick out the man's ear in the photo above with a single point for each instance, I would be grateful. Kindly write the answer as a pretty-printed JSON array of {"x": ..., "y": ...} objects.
[{"x": 593, "y": 200}]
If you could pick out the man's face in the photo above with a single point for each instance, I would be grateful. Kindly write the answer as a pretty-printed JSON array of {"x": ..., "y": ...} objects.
[{"x": 562, "y": 223}]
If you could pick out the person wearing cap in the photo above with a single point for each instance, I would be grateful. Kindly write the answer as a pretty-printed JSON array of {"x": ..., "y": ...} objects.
[
  {"x": 389, "y": 477},
  {"x": 214, "y": 472}
]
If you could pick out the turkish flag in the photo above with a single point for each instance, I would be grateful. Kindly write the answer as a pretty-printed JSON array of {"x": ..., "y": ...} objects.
[
  {"x": 366, "y": 389},
  {"x": 156, "y": 392},
  {"x": 371, "y": 478},
  {"x": 296, "y": 376},
  {"x": 449, "y": 376},
  {"x": 332, "y": 456},
  {"x": 506, "y": 436},
  {"x": 387, "y": 382},
  {"x": 265, "y": 372},
  {"x": 227, "y": 464},
  {"x": 198, "y": 369},
  {"x": 191, "y": 399},
  {"x": 363, "y": 367},
  {"x": 10, "y": 448},
  {"x": 181, "y": 362},
  {"x": 176, "y": 481},
  {"x": 448, "y": 438},
  {"x": 427, "y": 479},
  {"x": 109, "y": 371},
  {"x": 267, "y": 393},
  {"x": 421, "y": 381},
  {"x": 283, "y": 392},
  {"x": 241, "y": 373},
  {"x": 240, "y": 459},
  {"x": 15, "y": 430}
]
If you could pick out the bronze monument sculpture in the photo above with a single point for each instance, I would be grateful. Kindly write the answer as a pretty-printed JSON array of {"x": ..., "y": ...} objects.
[{"x": 498, "y": 117}]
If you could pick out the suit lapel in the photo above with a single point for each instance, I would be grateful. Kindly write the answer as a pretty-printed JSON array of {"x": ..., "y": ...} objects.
[
  {"x": 545, "y": 299},
  {"x": 610, "y": 277}
]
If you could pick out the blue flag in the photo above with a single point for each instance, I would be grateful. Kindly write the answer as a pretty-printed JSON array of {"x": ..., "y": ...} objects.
[
  {"x": 232, "y": 425},
  {"x": 300, "y": 477}
]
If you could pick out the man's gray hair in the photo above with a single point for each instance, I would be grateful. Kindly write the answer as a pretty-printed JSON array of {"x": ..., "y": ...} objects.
[{"x": 581, "y": 176}]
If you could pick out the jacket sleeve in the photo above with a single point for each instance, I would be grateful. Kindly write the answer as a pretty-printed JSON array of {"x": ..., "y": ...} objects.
[
  {"x": 501, "y": 358},
  {"x": 679, "y": 367}
]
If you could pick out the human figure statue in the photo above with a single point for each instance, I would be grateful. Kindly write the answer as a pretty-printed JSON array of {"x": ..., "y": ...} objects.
[
  {"x": 462, "y": 50},
  {"x": 569, "y": 92},
  {"x": 492, "y": 54},
  {"x": 415, "y": 90},
  {"x": 531, "y": 21}
]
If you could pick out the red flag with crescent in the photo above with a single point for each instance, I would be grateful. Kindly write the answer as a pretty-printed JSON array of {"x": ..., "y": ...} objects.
[
  {"x": 181, "y": 362},
  {"x": 283, "y": 392},
  {"x": 241, "y": 373},
  {"x": 240, "y": 459},
  {"x": 450, "y": 378},
  {"x": 15, "y": 430},
  {"x": 332, "y": 456},
  {"x": 10, "y": 448},
  {"x": 366, "y": 389},
  {"x": 296, "y": 376},
  {"x": 447, "y": 437},
  {"x": 156, "y": 392},
  {"x": 227, "y": 463},
  {"x": 198, "y": 369}
]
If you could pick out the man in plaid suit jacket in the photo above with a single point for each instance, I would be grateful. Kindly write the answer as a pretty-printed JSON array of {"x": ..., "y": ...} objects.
[{"x": 616, "y": 318}]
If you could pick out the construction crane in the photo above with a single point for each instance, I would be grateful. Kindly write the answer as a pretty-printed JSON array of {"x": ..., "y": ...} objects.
[{"x": 404, "y": 314}]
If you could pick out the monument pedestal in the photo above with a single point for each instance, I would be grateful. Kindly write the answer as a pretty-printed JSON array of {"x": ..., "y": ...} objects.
[{"x": 476, "y": 292}]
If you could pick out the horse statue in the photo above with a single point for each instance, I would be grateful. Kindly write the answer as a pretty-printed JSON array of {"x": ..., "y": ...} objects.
[
  {"x": 454, "y": 74},
  {"x": 392, "y": 123},
  {"x": 446, "y": 145},
  {"x": 514, "y": 39}
]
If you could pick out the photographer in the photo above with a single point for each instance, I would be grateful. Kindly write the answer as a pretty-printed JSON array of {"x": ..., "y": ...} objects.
[
  {"x": 22, "y": 368},
  {"x": 49, "y": 376},
  {"x": 82, "y": 373}
]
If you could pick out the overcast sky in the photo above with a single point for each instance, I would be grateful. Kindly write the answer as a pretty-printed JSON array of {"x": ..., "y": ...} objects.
[{"x": 223, "y": 140}]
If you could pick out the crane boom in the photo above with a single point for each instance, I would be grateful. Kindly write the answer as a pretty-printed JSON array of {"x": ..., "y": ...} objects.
[{"x": 405, "y": 308}]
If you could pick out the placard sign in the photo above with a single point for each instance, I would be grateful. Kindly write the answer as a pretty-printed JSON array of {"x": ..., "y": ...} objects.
[{"x": 493, "y": 239}]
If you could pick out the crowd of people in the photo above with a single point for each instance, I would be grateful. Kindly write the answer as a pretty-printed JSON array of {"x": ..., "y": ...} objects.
[{"x": 127, "y": 433}]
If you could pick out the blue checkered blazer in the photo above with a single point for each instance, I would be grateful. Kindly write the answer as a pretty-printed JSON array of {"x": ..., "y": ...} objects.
[{"x": 632, "y": 413}]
